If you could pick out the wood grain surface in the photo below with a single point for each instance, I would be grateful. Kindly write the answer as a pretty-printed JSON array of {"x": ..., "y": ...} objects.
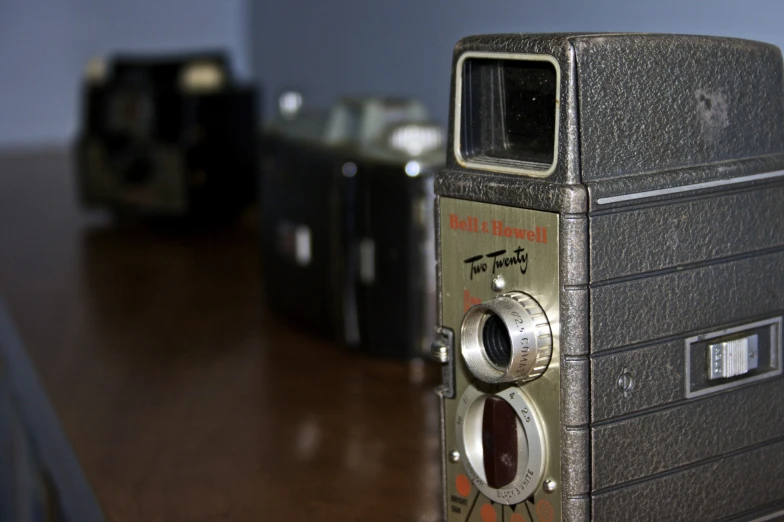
[{"x": 183, "y": 399}]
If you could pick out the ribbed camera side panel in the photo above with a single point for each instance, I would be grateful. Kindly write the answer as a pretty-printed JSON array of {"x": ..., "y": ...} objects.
[
  {"x": 715, "y": 490},
  {"x": 674, "y": 303},
  {"x": 661, "y": 237},
  {"x": 662, "y": 270},
  {"x": 691, "y": 432},
  {"x": 635, "y": 191},
  {"x": 636, "y": 380}
]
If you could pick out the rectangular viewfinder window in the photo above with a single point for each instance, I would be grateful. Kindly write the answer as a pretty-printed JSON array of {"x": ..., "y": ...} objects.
[{"x": 509, "y": 114}]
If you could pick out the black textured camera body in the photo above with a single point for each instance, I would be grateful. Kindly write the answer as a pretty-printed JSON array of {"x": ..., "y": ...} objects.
[
  {"x": 170, "y": 137},
  {"x": 396, "y": 298},
  {"x": 657, "y": 222},
  {"x": 304, "y": 195},
  {"x": 347, "y": 227}
]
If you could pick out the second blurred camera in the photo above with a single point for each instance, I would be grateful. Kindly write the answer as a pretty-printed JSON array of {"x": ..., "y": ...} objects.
[{"x": 347, "y": 221}]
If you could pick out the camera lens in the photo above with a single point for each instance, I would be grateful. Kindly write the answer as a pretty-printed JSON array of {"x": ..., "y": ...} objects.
[
  {"x": 496, "y": 341},
  {"x": 506, "y": 339}
]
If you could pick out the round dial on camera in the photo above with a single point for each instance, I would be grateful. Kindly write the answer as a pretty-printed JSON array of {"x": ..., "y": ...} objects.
[
  {"x": 501, "y": 436},
  {"x": 507, "y": 339}
]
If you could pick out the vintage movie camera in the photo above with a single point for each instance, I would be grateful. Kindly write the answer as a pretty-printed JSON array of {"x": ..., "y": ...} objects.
[
  {"x": 348, "y": 240},
  {"x": 611, "y": 279},
  {"x": 167, "y": 137}
]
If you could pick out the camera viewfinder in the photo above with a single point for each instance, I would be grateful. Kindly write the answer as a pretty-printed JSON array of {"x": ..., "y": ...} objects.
[{"x": 509, "y": 113}]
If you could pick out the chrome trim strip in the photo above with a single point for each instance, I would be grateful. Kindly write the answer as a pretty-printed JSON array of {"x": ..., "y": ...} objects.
[{"x": 685, "y": 188}]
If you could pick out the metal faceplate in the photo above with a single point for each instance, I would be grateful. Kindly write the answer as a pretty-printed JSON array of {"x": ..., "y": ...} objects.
[{"x": 485, "y": 251}]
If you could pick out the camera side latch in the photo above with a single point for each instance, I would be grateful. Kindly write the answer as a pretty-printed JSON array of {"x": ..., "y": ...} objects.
[
  {"x": 732, "y": 357},
  {"x": 442, "y": 350}
]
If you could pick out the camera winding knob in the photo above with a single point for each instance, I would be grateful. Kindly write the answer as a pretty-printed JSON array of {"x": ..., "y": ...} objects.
[{"x": 507, "y": 339}]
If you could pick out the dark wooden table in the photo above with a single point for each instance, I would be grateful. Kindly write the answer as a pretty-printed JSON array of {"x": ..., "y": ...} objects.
[{"x": 182, "y": 398}]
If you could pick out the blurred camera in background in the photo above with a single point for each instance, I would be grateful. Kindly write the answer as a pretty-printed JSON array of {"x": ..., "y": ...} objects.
[
  {"x": 347, "y": 221},
  {"x": 167, "y": 137}
]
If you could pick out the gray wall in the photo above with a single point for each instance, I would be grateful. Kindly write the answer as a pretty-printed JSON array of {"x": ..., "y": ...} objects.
[
  {"x": 326, "y": 49},
  {"x": 44, "y": 45},
  {"x": 404, "y": 47}
]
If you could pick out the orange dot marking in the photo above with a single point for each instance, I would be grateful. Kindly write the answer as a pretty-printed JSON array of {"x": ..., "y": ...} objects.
[
  {"x": 545, "y": 511},
  {"x": 463, "y": 485},
  {"x": 488, "y": 513},
  {"x": 517, "y": 517}
]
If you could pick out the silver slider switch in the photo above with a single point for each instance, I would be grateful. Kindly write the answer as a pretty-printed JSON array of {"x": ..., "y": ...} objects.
[{"x": 732, "y": 358}]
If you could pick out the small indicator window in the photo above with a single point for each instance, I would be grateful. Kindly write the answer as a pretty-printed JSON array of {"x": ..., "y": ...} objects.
[{"x": 508, "y": 117}]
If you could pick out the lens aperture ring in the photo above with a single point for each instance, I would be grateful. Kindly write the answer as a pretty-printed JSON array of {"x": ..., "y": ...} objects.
[
  {"x": 544, "y": 336},
  {"x": 507, "y": 339}
]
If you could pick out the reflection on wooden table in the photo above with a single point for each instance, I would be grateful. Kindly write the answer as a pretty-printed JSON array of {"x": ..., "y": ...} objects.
[{"x": 182, "y": 398}]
